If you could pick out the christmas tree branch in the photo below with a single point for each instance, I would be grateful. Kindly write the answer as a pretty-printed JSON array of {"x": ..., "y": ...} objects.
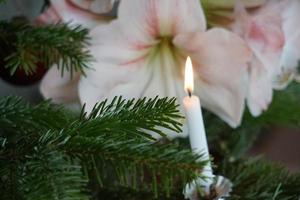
[
  {"x": 11, "y": 174},
  {"x": 131, "y": 160},
  {"x": 113, "y": 141},
  {"x": 254, "y": 179},
  {"x": 51, "y": 175},
  {"x": 17, "y": 116},
  {"x": 116, "y": 133},
  {"x": 142, "y": 117},
  {"x": 61, "y": 44},
  {"x": 21, "y": 124}
]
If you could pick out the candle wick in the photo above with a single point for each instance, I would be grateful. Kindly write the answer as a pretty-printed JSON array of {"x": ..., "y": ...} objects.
[{"x": 189, "y": 93}]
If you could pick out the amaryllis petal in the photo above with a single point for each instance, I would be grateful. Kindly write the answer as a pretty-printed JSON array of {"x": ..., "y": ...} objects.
[
  {"x": 263, "y": 33},
  {"x": 291, "y": 27},
  {"x": 49, "y": 16},
  {"x": 68, "y": 12},
  {"x": 61, "y": 89},
  {"x": 220, "y": 59},
  {"x": 109, "y": 45},
  {"x": 95, "y": 6},
  {"x": 266, "y": 38},
  {"x": 157, "y": 18},
  {"x": 260, "y": 88}
]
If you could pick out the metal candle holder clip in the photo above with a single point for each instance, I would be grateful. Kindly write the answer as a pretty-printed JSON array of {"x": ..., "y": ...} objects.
[{"x": 218, "y": 190}]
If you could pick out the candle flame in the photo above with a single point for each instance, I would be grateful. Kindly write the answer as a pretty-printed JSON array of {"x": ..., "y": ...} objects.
[{"x": 189, "y": 77}]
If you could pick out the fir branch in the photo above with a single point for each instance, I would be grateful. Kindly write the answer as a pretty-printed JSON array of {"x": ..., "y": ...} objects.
[
  {"x": 21, "y": 124},
  {"x": 256, "y": 179},
  {"x": 10, "y": 176},
  {"x": 73, "y": 148},
  {"x": 115, "y": 136},
  {"x": 142, "y": 116},
  {"x": 121, "y": 193},
  {"x": 253, "y": 179},
  {"x": 18, "y": 116},
  {"x": 131, "y": 160},
  {"x": 60, "y": 44},
  {"x": 51, "y": 175},
  {"x": 116, "y": 133}
]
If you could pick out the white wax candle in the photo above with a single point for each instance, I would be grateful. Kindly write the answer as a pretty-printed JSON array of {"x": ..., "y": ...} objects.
[{"x": 196, "y": 130}]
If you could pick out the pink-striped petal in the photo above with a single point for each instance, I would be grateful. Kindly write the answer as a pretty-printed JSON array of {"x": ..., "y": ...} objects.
[{"x": 219, "y": 59}]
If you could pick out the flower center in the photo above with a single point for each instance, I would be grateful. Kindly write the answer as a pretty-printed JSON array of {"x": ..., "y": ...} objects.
[
  {"x": 164, "y": 49},
  {"x": 165, "y": 62}
]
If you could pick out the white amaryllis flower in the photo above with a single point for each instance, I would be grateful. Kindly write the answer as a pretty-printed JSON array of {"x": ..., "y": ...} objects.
[
  {"x": 84, "y": 12},
  {"x": 142, "y": 53},
  {"x": 272, "y": 33}
]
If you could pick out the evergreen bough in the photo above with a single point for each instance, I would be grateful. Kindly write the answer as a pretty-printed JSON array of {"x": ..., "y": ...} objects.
[
  {"x": 49, "y": 153},
  {"x": 26, "y": 46}
]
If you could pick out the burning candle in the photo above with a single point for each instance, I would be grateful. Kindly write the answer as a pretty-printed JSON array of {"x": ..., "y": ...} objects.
[{"x": 195, "y": 124}]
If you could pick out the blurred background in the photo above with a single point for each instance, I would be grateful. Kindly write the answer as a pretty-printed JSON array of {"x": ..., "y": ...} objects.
[{"x": 280, "y": 144}]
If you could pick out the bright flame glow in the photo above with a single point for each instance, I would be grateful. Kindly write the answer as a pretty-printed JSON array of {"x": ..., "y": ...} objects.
[{"x": 189, "y": 77}]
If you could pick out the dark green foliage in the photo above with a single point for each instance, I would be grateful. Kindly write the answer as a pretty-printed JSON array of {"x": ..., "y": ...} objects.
[
  {"x": 284, "y": 110},
  {"x": 60, "y": 44},
  {"x": 22, "y": 159},
  {"x": 49, "y": 153},
  {"x": 256, "y": 179},
  {"x": 253, "y": 179},
  {"x": 16, "y": 115},
  {"x": 135, "y": 116},
  {"x": 51, "y": 175}
]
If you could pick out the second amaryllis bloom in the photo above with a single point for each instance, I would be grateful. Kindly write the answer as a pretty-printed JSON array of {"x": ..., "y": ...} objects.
[
  {"x": 142, "y": 53},
  {"x": 272, "y": 32}
]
